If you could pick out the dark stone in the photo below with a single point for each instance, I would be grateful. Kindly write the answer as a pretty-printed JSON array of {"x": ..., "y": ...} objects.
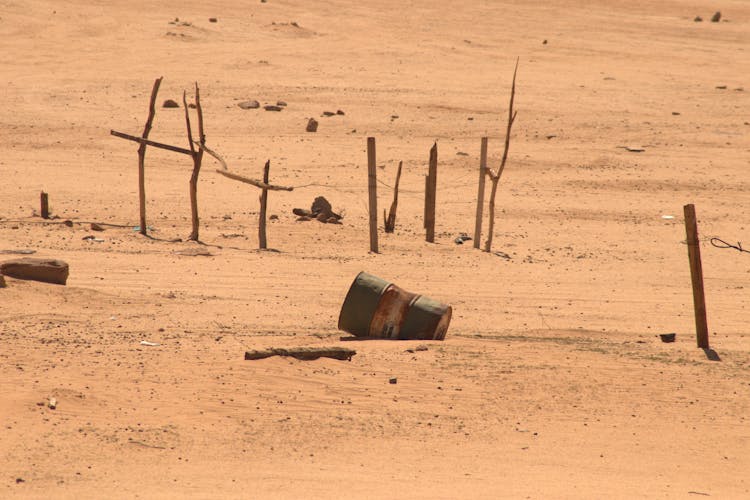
[
  {"x": 321, "y": 205},
  {"x": 212, "y": 19},
  {"x": 170, "y": 103},
  {"x": 698, "y": 19},
  {"x": 96, "y": 227},
  {"x": 328, "y": 113},
  {"x": 302, "y": 212},
  {"x": 667, "y": 337},
  {"x": 28, "y": 268},
  {"x": 312, "y": 125},
  {"x": 272, "y": 108},
  {"x": 340, "y": 113},
  {"x": 281, "y": 103},
  {"x": 393, "y": 380},
  {"x": 249, "y": 105},
  {"x": 716, "y": 17}
]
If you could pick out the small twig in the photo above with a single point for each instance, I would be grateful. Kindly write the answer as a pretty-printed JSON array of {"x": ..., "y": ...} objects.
[
  {"x": 719, "y": 243},
  {"x": 133, "y": 441}
]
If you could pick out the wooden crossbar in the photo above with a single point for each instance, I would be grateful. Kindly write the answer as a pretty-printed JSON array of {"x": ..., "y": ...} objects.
[{"x": 148, "y": 142}]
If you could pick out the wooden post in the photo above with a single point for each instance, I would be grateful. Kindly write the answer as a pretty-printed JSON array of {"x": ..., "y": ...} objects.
[
  {"x": 373, "y": 194},
  {"x": 480, "y": 192},
  {"x": 696, "y": 274},
  {"x": 44, "y": 200},
  {"x": 390, "y": 221},
  {"x": 263, "y": 205},
  {"x": 142, "y": 156},
  {"x": 431, "y": 195}
]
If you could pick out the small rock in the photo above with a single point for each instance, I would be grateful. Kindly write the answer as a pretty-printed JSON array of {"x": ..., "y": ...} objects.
[
  {"x": 698, "y": 19},
  {"x": 44, "y": 270},
  {"x": 192, "y": 105},
  {"x": 20, "y": 480},
  {"x": 716, "y": 17},
  {"x": 271, "y": 107},
  {"x": 281, "y": 103},
  {"x": 461, "y": 153},
  {"x": 2, "y": 281},
  {"x": 170, "y": 103},
  {"x": 544, "y": 42},
  {"x": 52, "y": 403},
  {"x": 312, "y": 125},
  {"x": 328, "y": 113},
  {"x": 461, "y": 238},
  {"x": 68, "y": 223},
  {"x": 393, "y": 380},
  {"x": 96, "y": 227},
  {"x": 212, "y": 20},
  {"x": 249, "y": 104},
  {"x": 667, "y": 337},
  {"x": 303, "y": 218},
  {"x": 274, "y": 217},
  {"x": 302, "y": 212},
  {"x": 340, "y": 113},
  {"x": 394, "y": 117},
  {"x": 675, "y": 113},
  {"x": 721, "y": 87}
]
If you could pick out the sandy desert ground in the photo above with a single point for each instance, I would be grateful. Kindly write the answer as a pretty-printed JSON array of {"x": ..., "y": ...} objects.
[{"x": 552, "y": 381}]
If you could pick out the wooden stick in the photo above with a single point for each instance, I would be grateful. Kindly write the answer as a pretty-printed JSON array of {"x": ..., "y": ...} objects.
[
  {"x": 253, "y": 182},
  {"x": 431, "y": 195},
  {"x": 44, "y": 201},
  {"x": 480, "y": 193},
  {"x": 197, "y": 160},
  {"x": 147, "y": 142},
  {"x": 373, "y": 193},
  {"x": 142, "y": 156},
  {"x": 303, "y": 353},
  {"x": 263, "y": 206},
  {"x": 390, "y": 221},
  {"x": 696, "y": 274}
]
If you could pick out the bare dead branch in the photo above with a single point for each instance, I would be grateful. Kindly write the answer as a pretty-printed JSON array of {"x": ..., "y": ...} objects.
[
  {"x": 253, "y": 182},
  {"x": 187, "y": 122},
  {"x": 495, "y": 175}
]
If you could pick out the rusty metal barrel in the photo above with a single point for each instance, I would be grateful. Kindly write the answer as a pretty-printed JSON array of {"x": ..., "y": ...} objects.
[{"x": 375, "y": 308}]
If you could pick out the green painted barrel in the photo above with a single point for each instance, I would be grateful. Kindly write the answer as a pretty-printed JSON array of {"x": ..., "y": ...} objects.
[
  {"x": 426, "y": 319},
  {"x": 360, "y": 304},
  {"x": 375, "y": 308}
]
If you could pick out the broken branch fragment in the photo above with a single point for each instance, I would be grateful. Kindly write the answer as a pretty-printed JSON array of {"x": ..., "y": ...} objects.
[
  {"x": 303, "y": 353},
  {"x": 254, "y": 182}
]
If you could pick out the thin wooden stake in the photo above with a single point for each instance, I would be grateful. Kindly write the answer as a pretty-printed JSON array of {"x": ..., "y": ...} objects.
[
  {"x": 431, "y": 196},
  {"x": 696, "y": 274},
  {"x": 44, "y": 201},
  {"x": 373, "y": 193},
  {"x": 197, "y": 160},
  {"x": 263, "y": 206},
  {"x": 390, "y": 221},
  {"x": 142, "y": 156},
  {"x": 480, "y": 192}
]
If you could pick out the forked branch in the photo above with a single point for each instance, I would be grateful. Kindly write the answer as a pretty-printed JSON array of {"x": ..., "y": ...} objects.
[{"x": 495, "y": 175}]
